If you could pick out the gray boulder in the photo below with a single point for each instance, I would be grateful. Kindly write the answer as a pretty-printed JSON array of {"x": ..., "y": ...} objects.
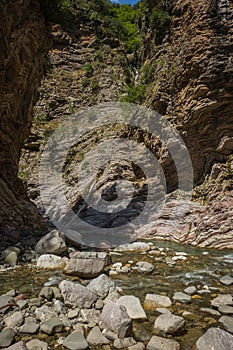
[
  {"x": 54, "y": 325},
  {"x": 75, "y": 341},
  {"x": 133, "y": 307},
  {"x": 215, "y": 339},
  {"x": 74, "y": 294},
  {"x": 169, "y": 324},
  {"x": 87, "y": 264},
  {"x": 6, "y": 337},
  {"x": 115, "y": 318},
  {"x": 52, "y": 243}
]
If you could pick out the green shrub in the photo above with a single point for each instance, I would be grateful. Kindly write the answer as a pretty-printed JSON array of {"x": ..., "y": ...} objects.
[
  {"x": 85, "y": 82},
  {"x": 95, "y": 84},
  {"x": 135, "y": 94},
  {"x": 89, "y": 70}
]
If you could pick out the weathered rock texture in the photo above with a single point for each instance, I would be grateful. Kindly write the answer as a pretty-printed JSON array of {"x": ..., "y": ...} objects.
[
  {"x": 193, "y": 89},
  {"x": 24, "y": 44}
]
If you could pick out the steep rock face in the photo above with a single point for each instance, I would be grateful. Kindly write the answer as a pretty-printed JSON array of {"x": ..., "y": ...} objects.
[
  {"x": 24, "y": 44},
  {"x": 193, "y": 89}
]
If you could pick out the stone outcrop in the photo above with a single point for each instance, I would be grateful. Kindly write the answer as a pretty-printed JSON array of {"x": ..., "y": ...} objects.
[
  {"x": 24, "y": 44},
  {"x": 193, "y": 81}
]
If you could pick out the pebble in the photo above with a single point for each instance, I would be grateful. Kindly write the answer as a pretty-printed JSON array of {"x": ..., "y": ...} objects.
[
  {"x": 54, "y": 325},
  {"x": 158, "y": 343},
  {"x": 144, "y": 267},
  {"x": 182, "y": 297},
  {"x": 153, "y": 301},
  {"x": 190, "y": 290},
  {"x": 168, "y": 324},
  {"x": 227, "y": 280},
  {"x": 227, "y": 322}
]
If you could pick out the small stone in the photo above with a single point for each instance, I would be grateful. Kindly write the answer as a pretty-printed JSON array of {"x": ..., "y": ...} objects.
[
  {"x": 153, "y": 301},
  {"x": 34, "y": 302},
  {"x": 123, "y": 343},
  {"x": 5, "y": 300},
  {"x": 144, "y": 267},
  {"x": 44, "y": 313},
  {"x": 157, "y": 343},
  {"x": 22, "y": 304},
  {"x": 169, "y": 324},
  {"x": 90, "y": 315},
  {"x": 46, "y": 293},
  {"x": 30, "y": 326},
  {"x": 210, "y": 311},
  {"x": 133, "y": 247},
  {"x": 133, "y": 307},
  {"x": 99, "y": 304},
  {"x": 59, "y": 307},
  {"x": 182, "y": 297},
  {"x": 75, "y": 341},
  {"x": 137, "y": 346},
  {"x": 95, "y": 337},
  {"x": 14, "y": 320},
  {"x": 163, "y": 310},
  {"x": 226, "y": 280},
  {"x": 18, "y": 346},
  {"x": 6, "y": 337},
  {"x": 169, "y": 261},
  {"x": 11, "y": 259},
  {"x": 57, "y": 293},
  {"x": 54, "y": 325},
  {"x": 190, "y": 290},
  {"x": 215, "y": 339},
  {"x": 227, "y": 322},
  {"x": 225, "y": 309},
  {"x": 222, "y": 299},
  {"x": 36, "y": 344},
  {"x": 73, "y": 313}
]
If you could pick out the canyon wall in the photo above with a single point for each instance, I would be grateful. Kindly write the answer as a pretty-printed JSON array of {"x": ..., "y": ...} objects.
[{"x": 24, "y": 44}]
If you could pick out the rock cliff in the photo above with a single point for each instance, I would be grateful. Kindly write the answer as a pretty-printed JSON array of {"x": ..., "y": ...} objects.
[
  {"x": 24, "y": 45},
  {"x": 185, "y": 74}
]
